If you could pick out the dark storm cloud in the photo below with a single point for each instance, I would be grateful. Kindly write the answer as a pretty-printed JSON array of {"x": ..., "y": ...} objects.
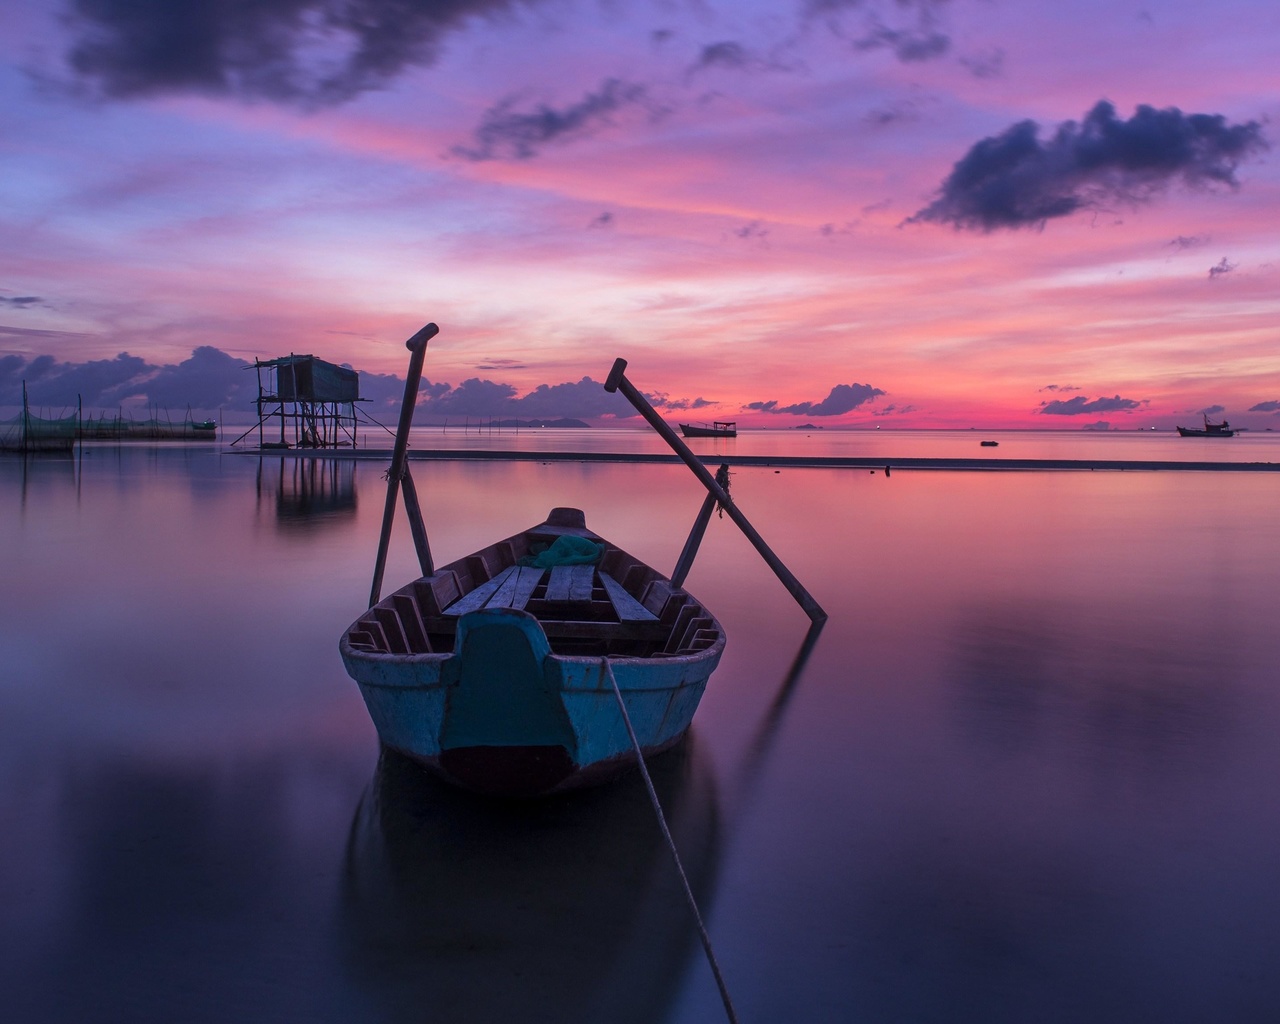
[
  {"x": 1223, "y": 266},
  {"x": 1081, "y": 406},
  {"x": 309, "y": 52},
  {"x": 1272, "y": 406},
  {"x": 21, "y": 301},
  {"x": 519, "y": 134},
  {"x": 1015, "y": 179},
  {"x": 843, "y": 398}
]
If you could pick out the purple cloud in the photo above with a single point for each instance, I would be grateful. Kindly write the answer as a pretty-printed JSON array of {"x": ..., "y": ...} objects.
[
  {"x": 515, "y": 134},
  {"x": 1081, "y": 406},
  {"x": 842, "y": 399},
  {"x": 266, "y": 49},
  {"x": 1017, "y": 180}
]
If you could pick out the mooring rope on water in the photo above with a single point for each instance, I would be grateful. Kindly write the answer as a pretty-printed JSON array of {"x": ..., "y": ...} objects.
[{"x": 605, "y": 667}]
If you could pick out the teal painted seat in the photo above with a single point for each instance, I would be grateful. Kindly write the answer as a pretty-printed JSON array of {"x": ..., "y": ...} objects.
[{"x": 502, "y": 696}]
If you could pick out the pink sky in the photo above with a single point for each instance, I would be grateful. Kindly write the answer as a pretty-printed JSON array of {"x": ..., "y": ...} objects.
[{"x": 717, "y": 192}]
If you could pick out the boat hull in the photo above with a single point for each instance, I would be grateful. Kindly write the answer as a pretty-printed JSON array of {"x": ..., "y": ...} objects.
[
  {"x": 545, "y": 724},
  {"x": 689, "y": 430},
  {"x": 1196, "y": 432}
]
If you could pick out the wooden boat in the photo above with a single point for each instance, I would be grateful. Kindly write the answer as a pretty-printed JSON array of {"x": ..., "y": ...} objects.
[
  {"x": 499, "y": 675},
  {"x": 720, "y": 428},
  {"x": 1210, "y": 429},
  {"x": 546, "y": 660}
]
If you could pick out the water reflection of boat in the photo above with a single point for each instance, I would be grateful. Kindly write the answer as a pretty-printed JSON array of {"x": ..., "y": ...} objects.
[
  {"x": 561, "y": 911},
  {"x": 498, "y": 669},
  {"x": 719, "y": 428},
  {"x": 1210, "y": 429}
]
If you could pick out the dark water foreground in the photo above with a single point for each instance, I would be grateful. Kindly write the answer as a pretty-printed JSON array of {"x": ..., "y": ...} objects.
[{"x": 1027, "y": 774}]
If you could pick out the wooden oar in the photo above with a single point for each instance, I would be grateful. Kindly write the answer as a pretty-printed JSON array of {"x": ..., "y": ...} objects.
[
  {"x": 417, "y": 345},
  {"x": 617, "y": 381}
]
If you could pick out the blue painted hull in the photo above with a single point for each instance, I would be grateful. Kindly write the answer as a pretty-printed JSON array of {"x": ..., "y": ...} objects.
[{"x": 505, "y": 713}]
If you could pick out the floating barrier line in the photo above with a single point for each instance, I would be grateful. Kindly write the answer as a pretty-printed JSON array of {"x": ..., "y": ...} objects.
[
  {"x": 776, "y": 461},
  {"x": 607, "y": 669}
]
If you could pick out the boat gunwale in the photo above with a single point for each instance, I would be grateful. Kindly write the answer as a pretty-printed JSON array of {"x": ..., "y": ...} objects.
[{"x": 466, "y": 584}]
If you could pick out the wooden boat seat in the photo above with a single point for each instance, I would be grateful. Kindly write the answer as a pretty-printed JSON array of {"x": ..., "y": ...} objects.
[
  {"x": 627, "y": 607},
  {"x": 570, "y": 584},
  {"x": 576, "y": 603},
  {"x": 511, "y": 588}
]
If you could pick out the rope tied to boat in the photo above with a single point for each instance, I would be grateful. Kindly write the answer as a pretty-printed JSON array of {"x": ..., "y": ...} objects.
[
  {"x": 722, "y": 478},
  {"x": 607, "y": 669}
]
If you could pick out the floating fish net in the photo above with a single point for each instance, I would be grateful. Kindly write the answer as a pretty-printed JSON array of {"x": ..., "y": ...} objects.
[{"x": 28, "y": 433}]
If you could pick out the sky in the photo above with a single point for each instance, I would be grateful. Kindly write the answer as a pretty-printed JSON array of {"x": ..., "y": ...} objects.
[{"x": 901, "y": 213}]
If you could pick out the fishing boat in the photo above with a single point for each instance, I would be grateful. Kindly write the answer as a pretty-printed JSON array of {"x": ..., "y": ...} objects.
[
  {"x": 497, "y": 670},
  {"x": 1210, "y": 429},
  {"x": 719, "y": 428}
]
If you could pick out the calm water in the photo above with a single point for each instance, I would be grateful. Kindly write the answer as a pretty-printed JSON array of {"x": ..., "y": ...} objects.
[{"x": 1027, "y": 774}]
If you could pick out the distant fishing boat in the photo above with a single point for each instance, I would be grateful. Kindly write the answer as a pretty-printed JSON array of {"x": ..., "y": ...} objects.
[
  {"x": 719, "y": 428},
  {"x": 1210, "y": 429},
  {"x": 989, "y": 444}
]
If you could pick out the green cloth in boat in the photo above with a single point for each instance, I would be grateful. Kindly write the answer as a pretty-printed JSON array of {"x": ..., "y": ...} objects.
[{"x": 565, "y": 550}]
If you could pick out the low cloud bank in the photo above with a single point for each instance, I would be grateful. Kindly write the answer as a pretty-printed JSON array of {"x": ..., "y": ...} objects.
[{"x": 211, "y": 380}]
